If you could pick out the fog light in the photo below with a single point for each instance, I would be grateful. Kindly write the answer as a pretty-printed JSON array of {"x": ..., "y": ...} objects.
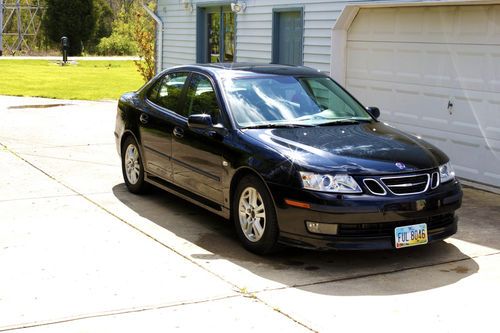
[{"x": 322, "y": 228}]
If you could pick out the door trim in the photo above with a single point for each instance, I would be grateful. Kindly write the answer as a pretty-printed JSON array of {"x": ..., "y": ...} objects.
[
  {"x": 197, "y": 170},
  {"x": 157, "y": 152}
]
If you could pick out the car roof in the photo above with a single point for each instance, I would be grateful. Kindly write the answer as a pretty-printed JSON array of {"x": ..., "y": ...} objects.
[{"x": 257, "y": 68}]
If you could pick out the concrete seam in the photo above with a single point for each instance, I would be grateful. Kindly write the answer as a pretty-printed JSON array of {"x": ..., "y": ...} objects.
[
  {"x": 151, "y": 237},
  {"x": 362, "y": 276},
  {"x": 48, "y": 197},
  {"x": 243, "y": 293},
  {"x": 111, "y": 313},
  {"x": 286, "y": 314},
  {"x": 115, "y": 216}
]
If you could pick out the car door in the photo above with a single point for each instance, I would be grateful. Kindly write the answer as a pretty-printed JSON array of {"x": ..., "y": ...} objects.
[
  {"x": 156, "y": 125},
  {"x": 197, "y": 153}
]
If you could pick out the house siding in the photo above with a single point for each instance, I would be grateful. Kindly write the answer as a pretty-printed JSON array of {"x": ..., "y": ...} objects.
[{"x": 253, "y": 30}]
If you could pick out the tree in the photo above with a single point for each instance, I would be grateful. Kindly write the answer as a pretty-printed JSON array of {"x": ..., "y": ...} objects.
[
  {"x": 104, "y": 24},
  {"x": 121, "y": 40},
  {"x": 74, "y": 19},
  {"x": 133, "y": 34},
  {"x": 144, "y": 36}
]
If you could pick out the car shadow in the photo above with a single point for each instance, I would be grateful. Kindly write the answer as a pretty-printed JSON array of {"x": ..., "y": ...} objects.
[
  {"x": 303, "y": 268},
  {"x": 480, "y": 218}
]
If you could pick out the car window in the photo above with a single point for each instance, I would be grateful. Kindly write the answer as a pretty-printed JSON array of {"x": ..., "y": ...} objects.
[
  {"x": 329, "y": 99},
  {"x": 276, "y": 99},
  {"x": 167, "y": 91},
  {"x": 153, "y": 92},
  {"x": 201, "y": 98}
]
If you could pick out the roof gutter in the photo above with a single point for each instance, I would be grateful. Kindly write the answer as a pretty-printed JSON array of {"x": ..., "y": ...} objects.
[{"x": 159, "y": 37}]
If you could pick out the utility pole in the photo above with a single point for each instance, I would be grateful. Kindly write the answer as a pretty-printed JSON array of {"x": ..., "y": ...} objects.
[
  {"x": 20, "y": 24},
  {"x": 1, "y": 27}
]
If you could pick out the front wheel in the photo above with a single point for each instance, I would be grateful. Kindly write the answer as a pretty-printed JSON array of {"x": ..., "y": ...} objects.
[{"x": 254, "y": 216}]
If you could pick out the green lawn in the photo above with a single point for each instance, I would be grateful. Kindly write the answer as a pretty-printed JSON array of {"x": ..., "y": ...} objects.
[{"x": 88, "y": 80}]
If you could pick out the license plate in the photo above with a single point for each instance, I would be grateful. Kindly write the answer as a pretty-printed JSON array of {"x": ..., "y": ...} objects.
[{"x": 410, "y": 235}]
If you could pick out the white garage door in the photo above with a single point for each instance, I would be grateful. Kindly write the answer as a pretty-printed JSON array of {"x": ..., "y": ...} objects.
[{"x": 416, "y": 62}]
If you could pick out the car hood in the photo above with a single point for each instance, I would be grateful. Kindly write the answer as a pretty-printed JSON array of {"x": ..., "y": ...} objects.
[{"x": 364, "y": 148}]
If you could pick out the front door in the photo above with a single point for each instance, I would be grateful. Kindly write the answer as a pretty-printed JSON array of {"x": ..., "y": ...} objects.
[
  {"x": 287, "y": 37},
  {"x": 196, "y": 154},
  {"x": 163, "y": 102},
  {"x": 216, "y": 35}
]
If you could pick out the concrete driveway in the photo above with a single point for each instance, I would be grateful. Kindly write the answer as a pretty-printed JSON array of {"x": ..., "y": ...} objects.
[{"x": 78, "y": 253}]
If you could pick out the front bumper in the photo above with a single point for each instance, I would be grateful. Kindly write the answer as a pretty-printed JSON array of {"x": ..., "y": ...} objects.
[{"x": 364, "y": 221}]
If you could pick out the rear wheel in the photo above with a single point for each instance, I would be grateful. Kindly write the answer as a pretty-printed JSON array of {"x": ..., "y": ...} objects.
[
  {"x": 254, "y": 216},
  {"x": 132, "y": 168}
]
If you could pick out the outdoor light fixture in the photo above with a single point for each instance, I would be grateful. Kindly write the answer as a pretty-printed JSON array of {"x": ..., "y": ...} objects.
[
  {"x": 188, "y": 6},
  {"x": 238, "y": 7}
]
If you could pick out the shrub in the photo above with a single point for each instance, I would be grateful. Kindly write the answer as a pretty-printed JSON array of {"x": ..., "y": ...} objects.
[
  {"x": 144, "y": 36},
  {"x": 121, "y": 41},
  {"x": 117, "y": 45}
]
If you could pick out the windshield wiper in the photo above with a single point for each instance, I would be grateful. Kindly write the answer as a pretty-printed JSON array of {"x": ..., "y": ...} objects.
[
  {"x": 339, "y": 122},
  {"x": 277, "y": 126}
]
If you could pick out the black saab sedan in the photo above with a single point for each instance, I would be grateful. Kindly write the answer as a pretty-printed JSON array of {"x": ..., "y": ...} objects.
[{"x": 287, "y": 154}]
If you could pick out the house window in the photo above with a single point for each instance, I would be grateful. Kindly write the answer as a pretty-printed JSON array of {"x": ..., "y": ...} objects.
[
  {"x": 288, "y": 35},
  {"x": 216, "y": 35}
]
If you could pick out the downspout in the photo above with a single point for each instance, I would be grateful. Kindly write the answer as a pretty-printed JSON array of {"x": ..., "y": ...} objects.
[{"x": 159, "y": 37}]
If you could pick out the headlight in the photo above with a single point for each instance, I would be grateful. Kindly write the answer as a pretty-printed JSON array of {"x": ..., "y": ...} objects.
[
  {"x": 340, "y": 183},
  {"x": 446, "y": 172}
]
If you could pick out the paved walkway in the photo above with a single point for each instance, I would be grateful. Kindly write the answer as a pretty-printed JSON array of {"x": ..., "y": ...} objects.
[{"x": 78, "y": 253}]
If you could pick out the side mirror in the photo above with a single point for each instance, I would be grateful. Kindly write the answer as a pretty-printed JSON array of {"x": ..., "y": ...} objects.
[
  {"x": 200, "y": 121},
  {"x": 374, "y": 111}
]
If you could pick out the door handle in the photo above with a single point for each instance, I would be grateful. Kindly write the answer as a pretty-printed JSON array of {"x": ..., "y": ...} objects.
[
  {"x": 178, "y": 132},
  {"x": 144, "y": 118}
]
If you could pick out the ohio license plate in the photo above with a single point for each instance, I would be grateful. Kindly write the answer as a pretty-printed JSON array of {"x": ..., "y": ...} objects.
[{"x": 410, "y": 235}]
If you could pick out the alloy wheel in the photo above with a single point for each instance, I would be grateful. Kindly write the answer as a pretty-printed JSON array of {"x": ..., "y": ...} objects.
[
  {"x": 252, "y": 214},
  {"x": 132, "y": 164}
]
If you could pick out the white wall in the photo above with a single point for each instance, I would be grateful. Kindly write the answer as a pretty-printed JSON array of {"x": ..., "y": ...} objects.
[{"x": 253, "y": 30}]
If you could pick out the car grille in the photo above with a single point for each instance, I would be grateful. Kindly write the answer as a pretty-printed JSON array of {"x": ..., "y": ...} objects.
[
  {"x": 374, "y": 186},
  {"x": 402, "y": 184},
  {"x": 387, "y": 228},
  {"x": 405, "y": 185}
]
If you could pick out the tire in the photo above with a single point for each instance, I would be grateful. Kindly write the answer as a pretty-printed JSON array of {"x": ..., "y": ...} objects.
[
  {"x": 254, "y": 216},
  {"x": 132, "y": 167}
]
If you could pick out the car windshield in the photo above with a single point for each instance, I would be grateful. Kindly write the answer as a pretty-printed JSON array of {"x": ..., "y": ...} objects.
[{"x": 276, "y": 100}]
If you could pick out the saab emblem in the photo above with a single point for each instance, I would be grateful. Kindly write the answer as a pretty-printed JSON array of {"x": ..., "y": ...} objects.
[{"x": 400, "y": 165}]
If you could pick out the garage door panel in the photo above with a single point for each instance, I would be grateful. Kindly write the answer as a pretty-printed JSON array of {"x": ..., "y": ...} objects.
[
  {"x": 490, "y": 117},
  {"x": 472, "y": 22},
  {"x": 471, "y": 67},
  {"x": 439, "y": 23},
  {"x": 478, "y": 149},
  {"x": 494, "y": 70},
  {"x": 442, "y": 24},
  {"x": 473, "y": 112},
  {"x": 413, "y": 62}
]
